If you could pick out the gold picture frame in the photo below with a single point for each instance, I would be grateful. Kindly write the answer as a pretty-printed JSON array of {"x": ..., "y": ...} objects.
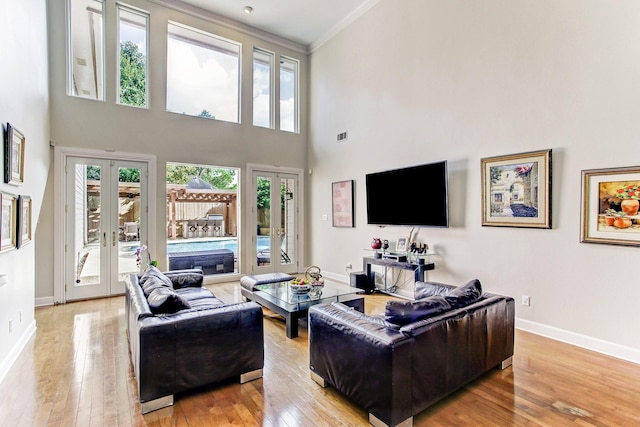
[
  {"x": 516, "y": 190},
  {"x": 7, "y": 222},
  {"x": 24, "y": 233},
  {"x": 610, "y": 206},
  {"x": 14, "y": 143}
]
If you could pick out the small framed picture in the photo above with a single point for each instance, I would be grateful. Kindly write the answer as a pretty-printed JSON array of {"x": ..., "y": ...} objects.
[
  {"x": 8, "y": 227},
  {"x": 24, "y": 221},
  {"x": 401, "y": 245},
  {"x": 14, "y": 142}
]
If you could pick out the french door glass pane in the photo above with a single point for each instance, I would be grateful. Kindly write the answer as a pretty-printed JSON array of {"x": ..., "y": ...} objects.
[
  {"x": 263, "y": 219},
  {"x": 129, "y": 214},
  {"x": 87, "y": 223}
]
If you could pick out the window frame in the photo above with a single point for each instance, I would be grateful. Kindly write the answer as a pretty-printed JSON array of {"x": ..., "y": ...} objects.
[
  {"x": 296, "y": 89},
  {"x": 271, "y": 64}
]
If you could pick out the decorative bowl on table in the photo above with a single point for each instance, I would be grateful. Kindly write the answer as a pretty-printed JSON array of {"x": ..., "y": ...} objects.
[{"x": 299, "y": 286}]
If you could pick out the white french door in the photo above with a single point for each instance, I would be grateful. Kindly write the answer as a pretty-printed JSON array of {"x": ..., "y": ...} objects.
[
  {"x": 275, "y": 222},
  {"x": 105, "y": 217}
]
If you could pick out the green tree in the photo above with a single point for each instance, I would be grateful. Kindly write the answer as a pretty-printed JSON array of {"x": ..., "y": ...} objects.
[
  {"x": 206, "y": 114},
  {"x": 124, "y": 174},
  {"x": 133, "y": 78},
  {"x": 223, "y": 179}
]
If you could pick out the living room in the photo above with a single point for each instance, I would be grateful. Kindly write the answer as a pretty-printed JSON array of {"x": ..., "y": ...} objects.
[{"x": 420, "y": 83}]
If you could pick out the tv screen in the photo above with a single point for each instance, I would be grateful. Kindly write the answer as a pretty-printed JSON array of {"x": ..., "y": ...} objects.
[{"x": 415, "y": 195}]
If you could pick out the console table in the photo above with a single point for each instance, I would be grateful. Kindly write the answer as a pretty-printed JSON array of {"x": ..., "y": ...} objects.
[{"x": 419, "y": 270}]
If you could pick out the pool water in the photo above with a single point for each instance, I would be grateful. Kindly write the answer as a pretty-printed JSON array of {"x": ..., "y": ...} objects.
[{"x": 264, "y": 242}]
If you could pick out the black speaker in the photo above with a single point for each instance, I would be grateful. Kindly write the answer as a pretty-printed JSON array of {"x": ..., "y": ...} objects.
[{"x": 359, "y": 280}]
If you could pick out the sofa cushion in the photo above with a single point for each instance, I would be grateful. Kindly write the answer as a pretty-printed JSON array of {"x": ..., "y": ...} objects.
[
  {"x": 166, "y": 300},
  {"x": 153, "y": 283},
  {"x": 404, "y": 312},
  {"x": 465, "y": 294},
  {"x": 154, "y": 272}
]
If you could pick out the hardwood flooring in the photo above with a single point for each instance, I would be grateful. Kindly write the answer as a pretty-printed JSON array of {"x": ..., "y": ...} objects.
[{"x": 76, "y": 372}]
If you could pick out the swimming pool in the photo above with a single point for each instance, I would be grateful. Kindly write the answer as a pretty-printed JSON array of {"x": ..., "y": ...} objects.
[{"x": 264, "y": 242}]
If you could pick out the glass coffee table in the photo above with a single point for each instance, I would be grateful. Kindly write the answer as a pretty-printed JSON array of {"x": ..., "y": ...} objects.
[{"x": 293, "y": 306}]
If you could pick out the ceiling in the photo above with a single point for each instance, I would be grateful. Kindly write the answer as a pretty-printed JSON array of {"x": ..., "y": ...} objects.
[{"x": 306, "y": 22}]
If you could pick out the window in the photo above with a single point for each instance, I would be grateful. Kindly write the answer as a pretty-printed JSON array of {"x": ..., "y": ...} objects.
[
  {"x": 203, "y": 73},
  {"x": 288, "y": 94},
  {"x": 262, "y": 83},
  {"x": 85, "y": 73},
  {"x": 133, "y": 45}
]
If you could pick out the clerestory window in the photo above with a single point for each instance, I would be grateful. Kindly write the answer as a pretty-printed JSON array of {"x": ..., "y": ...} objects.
[
  {"x": 133, "y": 36},
  {"x": 203, "y": 74},
  {"x": 262, "y": 88},
  {"x": 289, "y": 97}
]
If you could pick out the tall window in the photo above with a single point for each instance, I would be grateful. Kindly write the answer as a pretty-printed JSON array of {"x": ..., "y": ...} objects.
[
  {"x": 203, "y": 73},
  {"x": 262, "y": 83},
  {"x": 133, "y": 71},
  {"x": 288, "y": 94},
  {"x": 85, "y": 75}
]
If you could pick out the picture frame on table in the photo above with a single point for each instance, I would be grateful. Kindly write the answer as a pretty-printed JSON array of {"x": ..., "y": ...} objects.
[
  {"x": 14, "y": 145},
  {"x": 610, "y": 206},
  {"x": 23, "y": 232},
  {"x": 342, "y": 203},
  {"x": 8, "y": 222},
  {"x": 516, "y": 190},
  {"x": 401, "y": 244}
]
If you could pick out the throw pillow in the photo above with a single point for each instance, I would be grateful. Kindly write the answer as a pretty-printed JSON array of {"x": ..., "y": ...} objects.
[
  {"x": 165, "y": 300},
  {"x": 154, "y": 272},
  {"x": 405, "y": 312},
  {"x": 465, "y": 294},
  {"x": 378, "y": 320},
  {"x": 152, "y": 283},
  {"x": 429, "y": 289}
]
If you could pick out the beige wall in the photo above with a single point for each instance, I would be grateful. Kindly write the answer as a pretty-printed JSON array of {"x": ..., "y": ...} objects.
[
  {"x": 23, "y": 103},
  {"x": 457, "y": 80}
]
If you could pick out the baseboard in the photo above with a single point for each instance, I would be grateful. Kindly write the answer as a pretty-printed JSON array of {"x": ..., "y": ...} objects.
[
  {"x": 579, "y": 340},
  {"x": 13, "y": 355},
  {"x": 44, "y": 301}
]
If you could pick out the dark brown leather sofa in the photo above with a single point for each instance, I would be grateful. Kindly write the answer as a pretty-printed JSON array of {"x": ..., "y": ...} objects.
[
  {"x": 421, "y": 351},
  {"x": 182, "y": 337}
]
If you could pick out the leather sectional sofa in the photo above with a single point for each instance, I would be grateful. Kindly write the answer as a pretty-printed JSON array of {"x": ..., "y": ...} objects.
[
  {"x": 421, "y": 351},
  {"x": 182, "y": 337}
]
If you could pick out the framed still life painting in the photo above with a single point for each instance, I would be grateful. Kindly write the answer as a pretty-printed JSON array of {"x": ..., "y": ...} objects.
[
  {"x": 13, "y": 156},
  {"x": 516, "y": 190},
  {"x": 610, "y": 201},
  {"x": 8, "y": 225},
  {"x": 23, "y": 233}
]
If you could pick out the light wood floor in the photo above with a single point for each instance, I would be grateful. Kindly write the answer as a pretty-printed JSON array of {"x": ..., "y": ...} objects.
[{"x": 76, "y": 372}]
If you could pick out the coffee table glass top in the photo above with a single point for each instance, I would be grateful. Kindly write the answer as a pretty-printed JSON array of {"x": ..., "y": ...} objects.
[{"x": 283, "y": 293}]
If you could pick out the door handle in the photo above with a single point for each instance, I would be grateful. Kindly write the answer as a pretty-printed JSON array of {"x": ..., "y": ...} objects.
[
  {"x": 104, "y": 239},
  {"x": 113, "y": 238}
]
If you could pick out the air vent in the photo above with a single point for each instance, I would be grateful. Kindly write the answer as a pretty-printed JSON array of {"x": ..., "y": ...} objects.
[{"x": 342, "y": 136}]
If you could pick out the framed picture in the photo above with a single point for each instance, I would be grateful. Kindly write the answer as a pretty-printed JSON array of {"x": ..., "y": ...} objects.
[
  {"x": 516, "y": 190},
  {"x": 13, "y": 156},
  {"x": 401, "y": 244},
  {"x": 24, "y": 221},
  {"x": 342, "y": 203},
  {"x": 610, "y": 206},
  {"x": 8, "y": 227}
]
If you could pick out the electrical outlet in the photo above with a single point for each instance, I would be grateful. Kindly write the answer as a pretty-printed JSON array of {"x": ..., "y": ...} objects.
[{"x": 526, "y": 300}]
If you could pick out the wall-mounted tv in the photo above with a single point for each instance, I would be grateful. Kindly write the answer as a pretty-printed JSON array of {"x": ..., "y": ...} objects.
[{"x": 416, "y": 196}]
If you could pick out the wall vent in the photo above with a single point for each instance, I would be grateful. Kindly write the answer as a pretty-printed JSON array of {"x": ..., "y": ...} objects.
[{"x": 342, "y": 136}]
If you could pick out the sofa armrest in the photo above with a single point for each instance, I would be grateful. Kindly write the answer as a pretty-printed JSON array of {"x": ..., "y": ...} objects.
[
  {"x": 194, "y": 348},
  {"x": 341, "y": 340}
]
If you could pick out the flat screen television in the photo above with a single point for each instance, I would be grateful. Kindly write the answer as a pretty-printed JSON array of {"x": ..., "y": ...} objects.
[{"x": 416, "y": 196}]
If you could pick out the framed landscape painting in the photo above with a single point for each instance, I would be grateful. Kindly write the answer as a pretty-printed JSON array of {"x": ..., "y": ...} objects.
[
  {"x": 610, "y": 201},
  {"x": 516, "y": 190},
  {"x": 8, "y": 225},
  {"x": 342, "y": 203}
]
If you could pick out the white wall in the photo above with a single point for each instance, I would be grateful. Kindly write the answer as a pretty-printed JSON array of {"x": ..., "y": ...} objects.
[
  {"x": 455, "y": 80},
  {"x": 23, "y": 103},
  {"x": 171, "y": 137}
]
